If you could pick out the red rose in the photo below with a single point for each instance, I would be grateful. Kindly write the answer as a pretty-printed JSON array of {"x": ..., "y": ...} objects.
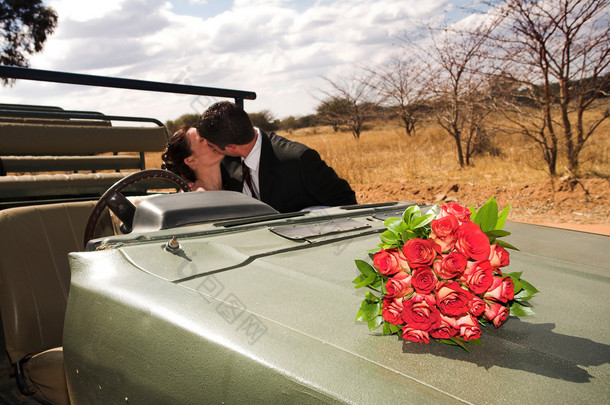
[
  {"x": 469, "y": 327},
  {"x": 478, "y": 276},
  {"x": 447, "y": 328},
  {"x": 472, "y": 242},
  {"x": 390, "y": 261},
  {"x": 502, "y": 289},
  {"x": 462, "y": 214},
  {"x": 415, "y": 335},
  {"x": 399, "y": 285},
  {"x": 451, "y": 265},
  {"x": 452, "y": 299},
  {"x": 444, "y": 232},
  {"x": 498, "y": 256},
  {"x": 496, "y": 313},
  {"x": 423, "y": 280},
  {"x": 476, "y": 306},
  {"x": 419, "y": 252},
  {"x": 420, "y": 313},
  {"x": 392, "y": 310}
]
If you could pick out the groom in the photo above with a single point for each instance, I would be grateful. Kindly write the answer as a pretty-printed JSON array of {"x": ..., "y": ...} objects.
[{"x": 287, "y": 175}]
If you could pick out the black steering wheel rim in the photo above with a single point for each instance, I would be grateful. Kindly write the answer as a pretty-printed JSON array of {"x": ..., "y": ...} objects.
[{"x": 119, "y": 204}]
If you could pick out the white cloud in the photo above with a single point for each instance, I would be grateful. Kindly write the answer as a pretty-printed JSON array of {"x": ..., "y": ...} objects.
[{"x": 276, "y": 48}]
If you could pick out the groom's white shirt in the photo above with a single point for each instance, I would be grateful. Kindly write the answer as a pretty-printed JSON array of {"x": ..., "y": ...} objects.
[{"x": 253, "y": 161}]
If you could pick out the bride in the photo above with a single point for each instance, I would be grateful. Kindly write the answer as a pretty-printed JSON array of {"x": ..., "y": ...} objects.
[{"x": 188, "y": 155}]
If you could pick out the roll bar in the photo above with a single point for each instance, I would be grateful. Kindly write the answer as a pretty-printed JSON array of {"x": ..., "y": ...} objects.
[{"x": 16, "y": 72}]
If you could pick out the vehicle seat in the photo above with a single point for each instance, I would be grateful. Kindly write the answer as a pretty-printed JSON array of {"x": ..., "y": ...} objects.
[{"x": 34, "y": 282}]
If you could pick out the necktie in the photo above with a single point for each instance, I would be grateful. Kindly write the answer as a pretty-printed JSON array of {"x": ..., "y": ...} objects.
[{"x": 248, "y": 179}]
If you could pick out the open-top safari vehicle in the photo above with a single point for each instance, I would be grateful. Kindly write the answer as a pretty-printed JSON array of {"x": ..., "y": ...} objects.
[{"x": 214, "y": 297}]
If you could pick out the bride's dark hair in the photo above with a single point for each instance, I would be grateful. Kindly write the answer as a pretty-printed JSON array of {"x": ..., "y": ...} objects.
[{"x": 178, "y": 149}]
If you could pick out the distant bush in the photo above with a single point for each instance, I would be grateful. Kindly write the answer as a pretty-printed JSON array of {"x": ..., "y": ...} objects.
[
  {"x": 185, "y": 119},
  {"x": 291, "y": 123},
  {"x": 264, "y": 120}
]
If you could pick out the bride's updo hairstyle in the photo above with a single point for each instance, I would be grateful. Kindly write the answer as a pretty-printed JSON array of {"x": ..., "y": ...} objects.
[{"x": 178, "y": 149}]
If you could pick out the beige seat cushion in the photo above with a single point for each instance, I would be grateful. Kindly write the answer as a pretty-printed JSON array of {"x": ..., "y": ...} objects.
[
  {"x": 34, "y": 282},
  {"x": 35, "y": 274}
]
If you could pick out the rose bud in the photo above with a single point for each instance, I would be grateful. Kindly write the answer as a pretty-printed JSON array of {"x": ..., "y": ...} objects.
[
  {"x": 447, "y": 328},
  {"x": 502, "y": 289},
  {"x": 399, "y": 285},
  {"x": 451, "y": 265},
  {"x": 392, "y": 310},
  {"x": 496, "y": 313},
  {"x": 424, "y": 280},
  {"x": 478, "y": 276},
  {"x": 415, "y": 335},
  {"x": 476, "y": 306},
  {"x": 452, "y": 299},
  {"x": 469, "y": 327},
  {"x": 462, "y": 214},
  {"x": 472, "y": 242},
  {"x": 419, "y": 252},
  {"x": 444, "y": 232},
  {"x": 498, "y": 256},
  {"x": 419, "y": 314},
  {"x": 390, "y": 261}
]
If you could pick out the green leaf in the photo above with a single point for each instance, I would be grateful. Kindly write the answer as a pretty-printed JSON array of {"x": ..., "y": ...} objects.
[
  {"x": 455, "y": 341},
  {"x": 373, "y": 251},
  {"x": 473, "y": 211},
  {"x": 366, "y": 281},
  {"x": 518, "y": 309},
  {"x": 516, "y": 278},
  {"x": 506, "y": 245},
  {"x": 389, "y": 237},
  {"x": 524, "y": 295},
  {"x": 368, "y": 311},
  {"x": 386, "y": 328},
  {"x": 371, "y": 297},
  {"x": 408, "y": 235},
  {"x": 447, "y": 342},
  {"x": 396, "y": 225},
  {"x": 526, "y": 292},
  {"x": 390, "y": 328},
  {"x": 502, "y": 217},
  {"x": 517, "y": 287},
  {"x": 497, "y": 233},
  {"x": 515, "y": 275},
  {"x": 376, "y": 284},
  {"x": 434, "y": 210},
  {"x": 487, "y": 215},
  {"x": 422, "y": 221},
  {"x": 476, "y": 342},
  {"x": 412, "y": 211},
  {"x": 375, "y": 322},
  {"x": 365, "y": 268}
]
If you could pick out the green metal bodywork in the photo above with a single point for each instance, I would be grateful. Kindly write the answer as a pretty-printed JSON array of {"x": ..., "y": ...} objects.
[{"x": 242, "y": 314}]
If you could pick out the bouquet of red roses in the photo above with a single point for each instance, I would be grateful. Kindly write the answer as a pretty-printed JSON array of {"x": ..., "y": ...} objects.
[{"x": 440, "y": 275}]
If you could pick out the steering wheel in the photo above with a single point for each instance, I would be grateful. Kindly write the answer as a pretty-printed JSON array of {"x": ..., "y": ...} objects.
[{"x": 120, "y": 205}]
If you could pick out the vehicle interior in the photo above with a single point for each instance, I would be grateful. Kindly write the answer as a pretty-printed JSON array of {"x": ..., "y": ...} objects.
[{"x": 59, "y": 170}]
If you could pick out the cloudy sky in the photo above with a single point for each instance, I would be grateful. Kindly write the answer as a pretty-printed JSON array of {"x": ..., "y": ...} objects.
[{"x": 276, "y": 48}]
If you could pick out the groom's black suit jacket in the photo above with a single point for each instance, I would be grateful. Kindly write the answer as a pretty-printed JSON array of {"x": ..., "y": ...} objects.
[{"x": 292, "y": 176}]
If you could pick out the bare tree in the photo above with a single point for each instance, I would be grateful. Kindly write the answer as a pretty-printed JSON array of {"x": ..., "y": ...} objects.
[
  {"x": 456, "y": 60},
  {"x": 401, "y": 83},
  {"x": 556, "y": 54},
  {"x": 350, "y": 102}
]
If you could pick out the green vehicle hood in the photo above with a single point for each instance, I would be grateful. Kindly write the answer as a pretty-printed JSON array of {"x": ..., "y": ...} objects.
[{"x": 244, "y": 314}]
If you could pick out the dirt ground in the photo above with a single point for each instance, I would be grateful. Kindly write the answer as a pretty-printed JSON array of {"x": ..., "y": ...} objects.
[{"x": 581, "y": 205}]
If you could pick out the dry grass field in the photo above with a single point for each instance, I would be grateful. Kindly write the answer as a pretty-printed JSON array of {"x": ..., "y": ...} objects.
[{"x": 387, "y": 165}]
